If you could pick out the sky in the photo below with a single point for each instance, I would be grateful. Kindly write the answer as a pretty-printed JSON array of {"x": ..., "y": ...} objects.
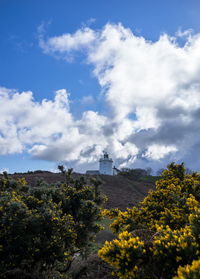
[{"x": 80, "y": 77}]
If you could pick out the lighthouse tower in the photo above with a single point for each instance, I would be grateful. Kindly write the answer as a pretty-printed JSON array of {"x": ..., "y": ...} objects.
[{"x": 105, "y": 165}]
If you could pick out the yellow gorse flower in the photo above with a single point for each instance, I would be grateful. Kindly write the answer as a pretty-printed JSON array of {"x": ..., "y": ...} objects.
[{"x": 170, "y": 217}]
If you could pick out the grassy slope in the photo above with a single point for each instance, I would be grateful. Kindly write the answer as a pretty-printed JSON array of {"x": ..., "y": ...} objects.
[{"x": 122, "y": 192}]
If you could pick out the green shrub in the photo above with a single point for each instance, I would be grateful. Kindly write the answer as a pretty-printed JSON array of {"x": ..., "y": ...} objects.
[
  {"x": 162, "y": 233},
  {"x": 43, "y": 228}
]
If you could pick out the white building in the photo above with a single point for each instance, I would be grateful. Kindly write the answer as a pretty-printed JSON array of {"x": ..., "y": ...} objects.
[{"x": 105, "y": 165}]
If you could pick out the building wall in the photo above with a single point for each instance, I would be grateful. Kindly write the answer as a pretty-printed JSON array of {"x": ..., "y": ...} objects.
[{"x": 105, "y": 166}]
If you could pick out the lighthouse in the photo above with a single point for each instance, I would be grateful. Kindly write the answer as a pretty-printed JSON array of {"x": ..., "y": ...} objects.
[{"x": 105, "y": 164}]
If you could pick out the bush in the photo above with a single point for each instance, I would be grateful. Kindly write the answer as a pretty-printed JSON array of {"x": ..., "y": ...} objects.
[
  {"x": 189, "y": 271},
  {"x": 162, "y": 233},
  {"x": 43, "y": 228}
]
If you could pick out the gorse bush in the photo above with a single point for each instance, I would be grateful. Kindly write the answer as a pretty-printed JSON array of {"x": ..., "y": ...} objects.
[
  {"x": 161, "y": 237},
  {"x": 43, "y": 228},
  {"x": 189, "y": 271}
]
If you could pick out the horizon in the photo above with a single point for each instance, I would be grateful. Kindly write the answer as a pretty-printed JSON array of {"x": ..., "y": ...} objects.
[{"x": 78, "y": 78}]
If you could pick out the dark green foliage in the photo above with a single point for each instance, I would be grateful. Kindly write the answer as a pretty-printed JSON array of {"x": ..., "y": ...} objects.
[
  {"x": 33, "y": 172},
  {"x": 177, "y": 170},
  {"x": 43, "y": 227}
]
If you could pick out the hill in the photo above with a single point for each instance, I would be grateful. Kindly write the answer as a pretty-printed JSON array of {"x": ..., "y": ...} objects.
[{"x": 122, "y": 192}]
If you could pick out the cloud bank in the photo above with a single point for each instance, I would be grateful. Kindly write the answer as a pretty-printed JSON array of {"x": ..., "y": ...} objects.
[{"x": 152, "y": 93}]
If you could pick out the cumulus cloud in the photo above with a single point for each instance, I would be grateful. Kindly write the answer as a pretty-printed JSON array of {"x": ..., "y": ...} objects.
[
  {"x": 151, "y": 92},
  {"x": 48, "y": 130},
  {"x": 151, "y": 88},
  {"x": 67, "y": 42},
  {"x": 157, "y": 152}
]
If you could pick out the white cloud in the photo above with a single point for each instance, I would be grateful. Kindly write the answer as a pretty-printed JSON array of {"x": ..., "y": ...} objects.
[
  {"x": 184, "y": 33},
  {"x": 151, "y": 88},
  {"x": 135, "y": 71},
  {"x": 151, "y": 91},
  {"x": 157, "y": 152},
  {"x": 47, "y": 129},
  {"x": 87, "y": 100},
  {"x": 66, "y": 42},
  {"x": 24, "y": 121}
]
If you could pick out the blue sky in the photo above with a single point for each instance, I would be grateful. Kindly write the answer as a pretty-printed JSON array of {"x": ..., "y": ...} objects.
[{"x": 27, "y": 65}]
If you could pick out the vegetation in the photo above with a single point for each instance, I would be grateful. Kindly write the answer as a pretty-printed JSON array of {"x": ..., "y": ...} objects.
[
  {"x": 32, "y": 172},
  {"x": 161, "y": 237},
  {"x": 47, "y": 231},
  {"x": 42, "y": 229},
  {"x": 143, "y": 175},
  {"x": 134, "y": 173}
]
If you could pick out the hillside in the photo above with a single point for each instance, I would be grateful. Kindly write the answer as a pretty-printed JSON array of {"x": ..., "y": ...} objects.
[{"x": 122, "y": 192}]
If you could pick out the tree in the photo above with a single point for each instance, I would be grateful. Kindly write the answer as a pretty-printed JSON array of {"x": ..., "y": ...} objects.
[{"x": 43, "y": 228}]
